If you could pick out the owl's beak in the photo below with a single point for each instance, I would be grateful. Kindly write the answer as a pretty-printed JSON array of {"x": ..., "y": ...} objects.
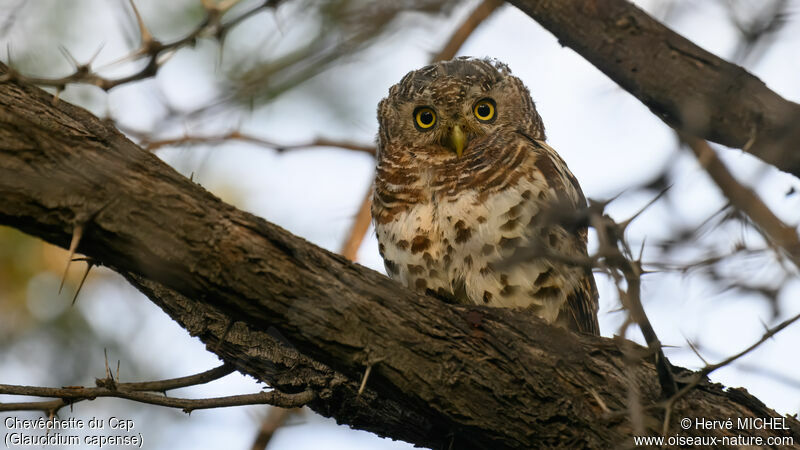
[{"x": 457, "y": 140}]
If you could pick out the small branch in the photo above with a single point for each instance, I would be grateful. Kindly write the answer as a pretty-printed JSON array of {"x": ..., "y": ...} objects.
[
  {"x": 274, "y": 419},
  {"x": 149, "y": 48},
  {"x": 701, "y": 375},
  {"x": 108, "y": 387},
  {"x": 359, "y": 228},
  {"x": 744, "y": 199},
  {"x": 176, "y": 383},
  {"x": 239, "y": 136},
  {"x": 71, "y": 395},
  {"x": 463, "y": 32},
  {"x": 610, "y": 237}
]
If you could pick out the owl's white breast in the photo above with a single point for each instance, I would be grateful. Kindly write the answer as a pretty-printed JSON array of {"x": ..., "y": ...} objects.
[{"x": 454, "y": 244}]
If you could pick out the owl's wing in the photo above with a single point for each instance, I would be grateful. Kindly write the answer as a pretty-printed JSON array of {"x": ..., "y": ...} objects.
[{"x": 579, "y": 312}]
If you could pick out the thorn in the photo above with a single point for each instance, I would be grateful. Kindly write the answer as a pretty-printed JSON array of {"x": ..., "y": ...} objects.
[
  {"x": 696, "y": 351},
  {"x": 364, "y": 380},
  {"x": 89, "y": 265},
  {"x": 77, "y": 234},
  {"x": 96, "y": 54},
  {"x": 599, "y": 401},
  {"x": 165, "y": 56},
  {"x": 624, "y": 224},
  {"x": 146, "y": 37},
  {"x": 641, "y": 250},
  {"x": 57, "y": 95},
  {"x": 8, "y": 55},
  {"x": 278, "y": 23},
  {"x": 753, "y": 136},
  {"x": 766, "y": 328},
  {"x": 118, "y": 369},
  {"x": 71, "y": 59},
  {"x": 222, "y": 34},
  {"x": 108, "y": 371}
]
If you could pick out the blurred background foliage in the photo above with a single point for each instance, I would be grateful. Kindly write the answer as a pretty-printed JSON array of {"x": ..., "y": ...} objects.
[{"x": 293, "y": 71}]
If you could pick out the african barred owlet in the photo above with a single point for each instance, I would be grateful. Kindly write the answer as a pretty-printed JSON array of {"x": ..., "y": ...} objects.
[{"x": 467, "y": 196}]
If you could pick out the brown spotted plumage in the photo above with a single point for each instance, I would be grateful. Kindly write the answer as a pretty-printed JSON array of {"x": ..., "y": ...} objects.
[{"x": 466, "y": 184}]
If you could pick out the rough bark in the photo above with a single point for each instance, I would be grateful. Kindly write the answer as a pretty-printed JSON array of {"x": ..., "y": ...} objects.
[
  {"x": 689, "y": 88},
  {"x": 296, "y": 316}
]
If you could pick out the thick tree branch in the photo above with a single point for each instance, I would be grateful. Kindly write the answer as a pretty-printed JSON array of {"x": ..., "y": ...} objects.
[
  {"x": 303, "y": 319},
  {"x": 689, "y": 88}
]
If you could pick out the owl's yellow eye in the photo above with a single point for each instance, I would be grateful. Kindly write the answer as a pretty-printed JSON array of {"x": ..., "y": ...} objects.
[
  {"x": 485, "y": 110},
  {"x": 424, "y": 117}
]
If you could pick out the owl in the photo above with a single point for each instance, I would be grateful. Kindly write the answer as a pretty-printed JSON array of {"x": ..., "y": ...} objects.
[{"x": 468, "y": 195}]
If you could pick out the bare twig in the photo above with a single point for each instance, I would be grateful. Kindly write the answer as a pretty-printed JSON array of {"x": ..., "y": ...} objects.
[
  {"x": 771, "y": 227},
  {"x": 359, "y": 228},
  {"x": 620, "y": 265},
  {"x": 153, "y": 51},
  {"x": 463, "y": 32},
  {"x": 239, "y": 136},
  {"x": 145, "y": 392},
  {"x": 701, "y": 375},
  {"x": 71, "y": 395},
  {"x": 274, "y": 419}
]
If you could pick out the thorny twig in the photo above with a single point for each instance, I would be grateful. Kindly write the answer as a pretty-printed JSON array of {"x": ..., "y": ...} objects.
[
  {"x": 244, "y": 137},
  {"x": 465, "y": 30},
  {"x": 771, "y": 227},
  {"x": 147, "y": 392},
  {"x": 699, "y": 376},
  {"x": 150, "y": 49},
  {"x": 619, "y": 262}
]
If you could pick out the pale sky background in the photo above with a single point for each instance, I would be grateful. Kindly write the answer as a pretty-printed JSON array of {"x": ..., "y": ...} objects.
[{"x": 609, "y": 139}]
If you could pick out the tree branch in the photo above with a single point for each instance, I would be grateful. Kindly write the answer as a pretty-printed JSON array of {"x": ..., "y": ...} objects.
[
  {"x": 69, "y": 395},
  {"x": 150, "y": 49},
  {"x": 303, "y": 319},
  {"x": 464, "y": 31},
  {"x": 108, "y": 387},
  {"x": 689, "y": 88},
  {"x": 358, "y": 230},
  {"x": 744, "y": 199},
  {"x": 244, "y": 137}
]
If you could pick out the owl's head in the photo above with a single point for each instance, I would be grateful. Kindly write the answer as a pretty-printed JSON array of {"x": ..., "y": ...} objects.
[{"x": 445, "y": 108}]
